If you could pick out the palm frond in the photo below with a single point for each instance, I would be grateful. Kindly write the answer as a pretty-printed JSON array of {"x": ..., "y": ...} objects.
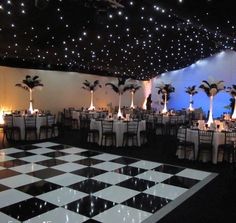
[
  {"x": 114, "y": 87},
  {"x": 30, "y": 83}
]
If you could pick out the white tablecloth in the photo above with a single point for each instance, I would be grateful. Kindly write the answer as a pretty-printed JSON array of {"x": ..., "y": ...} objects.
[
  {"x": 119, "y": 128},
  {"x": 19, "y": 121},
  {"x": 218, "y": 138}
]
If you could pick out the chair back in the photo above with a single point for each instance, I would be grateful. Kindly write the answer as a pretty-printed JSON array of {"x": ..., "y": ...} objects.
[
  {"x": 205, "y": 137},
  {"x": 132, "y": 126},
  {"x": 8, "y": 121},
  {"x": 230, "y": 138},
  {"x": 30, "y": 121},
  {"x": 107, "y": 126},
  {"x": 51, "y": 120},
  {"x": 182, "y": 134}
]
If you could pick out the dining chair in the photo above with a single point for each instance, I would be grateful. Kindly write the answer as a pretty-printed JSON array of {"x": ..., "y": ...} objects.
[
  {"x": 159, "y": 125},
  {"x": 131, "y": 133},
  {"x": 228, "y": 148},
  {"x": 108, "y": 132},
  {"x": 9, "y": 129},
  {"x": 183, "y": 144},
  {"x": 50, "y": 126},
  {"x": 30, "y": 126},
  {"x": 205, "y": 142}
]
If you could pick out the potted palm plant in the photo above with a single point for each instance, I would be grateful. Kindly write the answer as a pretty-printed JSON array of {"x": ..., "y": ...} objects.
[
  {"x": 211, "y": 88},
  {"x": 92, "y": 87},
  {"x": 134, "y": 88},
  {"x": 122, "y": 86},
  {"x": 165, "y": 90},
  {"x": 191, "y": 90},
  {"x": 232, "y": 91},
  {"x": 30, "y": 84}
]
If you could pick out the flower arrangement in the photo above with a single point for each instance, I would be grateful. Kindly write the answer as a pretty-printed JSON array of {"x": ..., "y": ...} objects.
[
  {"x": 30, "y": 83},
  {"x": 120, "y": 87},
  {"x": 211, "y": 88},
  {"x": 92, "y": 87},
  {"x": 232, "y": 92},
  {"x": 191, "y": 90},
  {"x": 165, "y": 90}
]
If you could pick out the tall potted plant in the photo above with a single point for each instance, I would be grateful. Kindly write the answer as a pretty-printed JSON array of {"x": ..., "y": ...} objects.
[
  {"x": 91, "y": 87},
  {"x": 122, "y": 86},
  {"x": 30, "y": 84},
  {"x": 165, "y": 90},
  {"x": 191, "y": 90},
  {"x": 134, "y": 88},
  {"x": 211, "y": 88},
  {"x": 232, "y": 91}
]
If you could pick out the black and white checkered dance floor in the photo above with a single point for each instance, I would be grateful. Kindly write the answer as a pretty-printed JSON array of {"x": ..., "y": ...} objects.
[{"x": 54, "y": 183}]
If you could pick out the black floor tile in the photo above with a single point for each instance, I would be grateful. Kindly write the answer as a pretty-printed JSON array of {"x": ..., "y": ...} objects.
[
  {"x": 124, "y": 160},
  {"x": 59, "y": 147},
  {"x": 13, "y": 163},
  {"x": 27, "y": 209},
  {"x": 89, "y": 206},
  {"x": 21, "y": 154},
  {"x": 46, "y": 173},
  {"x": 8, "y": 173},
  {"x": 181, "y": 181},
  {"x": 51, "y": 162},
  {"x": 136, "y": 184},
  {"x": 169, "y": 169},
  {"x": 129, "y": 170},
  {"x": 89, "y": 172},
  {"x": 146, "y": 202},
  {"x": 89, "y": 153},
  {"x": 88, "y": 161},
  {"x": 3, "y": 187},
  {"x": 55, "y": 154},
  {"x": 38, "y": 188},
  {"x": 89, "y": 186},
  {"x": 91, "y": 221},
  {"x": 27, "y": 147}
]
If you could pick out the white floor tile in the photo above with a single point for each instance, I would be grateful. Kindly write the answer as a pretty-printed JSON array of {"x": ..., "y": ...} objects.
[
  {"x": 66, "y": 179},
  {"x": 62, "y": 196},
  {"x": 4, "y": 157},
  {"x": 154, "y": 176},
  {"x": 11, "y": 196},
  {"x": 58, "y": 215},
  {"x": 2, "y": 168},
  {"x": 147, "y": 165},
  {"x": 73, "y": 150},
  {"x": 116, "y": 194},
  {"x": 109, "y": 166},
  {"x": 7, "y": 219},
  {"x": 122, "y": 214},
  {"x": 106, "y": 157},
  {"x": 71, "y": 158},
  {"x": 35, "y": 158},
  {"x": 27, "y": 168},
  {"x": 41, "y": 150},
  {"x": 46, "y": 144},
  {"x": 111, "y": 177},
  {"x": 10, "y": 151},
  {"x": 19, "y": 180},
  {"x": 193, "y": 174},
  {"x": 166, "y": 191},
  {"x": 68, "y": 167}
]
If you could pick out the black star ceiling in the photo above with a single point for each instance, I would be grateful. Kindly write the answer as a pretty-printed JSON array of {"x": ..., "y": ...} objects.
[{"x": 139, "y": 39}]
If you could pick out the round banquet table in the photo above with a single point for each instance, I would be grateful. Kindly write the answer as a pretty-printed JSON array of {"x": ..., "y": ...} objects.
[{"x": 119, "y": 128}]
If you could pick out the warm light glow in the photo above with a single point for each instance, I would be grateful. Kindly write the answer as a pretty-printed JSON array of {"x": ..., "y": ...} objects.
[
  {"x": 147, "y": 90},
  {"x": 3, "y": 111},
  {"x": 234, "y": 113},
  {"x": 91, "y": 107}
]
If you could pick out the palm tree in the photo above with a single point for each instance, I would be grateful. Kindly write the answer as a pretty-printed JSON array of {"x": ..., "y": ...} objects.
[
  {"x": 30, "y": 84},
  {"x": 191, "y": 90},
  {"x": 92, "y": 87},
  {"x": 122, "y": 86},
  {"x": 232, "y": 91},
  {"x": 134, "y": 88},
  {"x": 211, "y": 88},
  {"x": 165, "y": 90}
]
